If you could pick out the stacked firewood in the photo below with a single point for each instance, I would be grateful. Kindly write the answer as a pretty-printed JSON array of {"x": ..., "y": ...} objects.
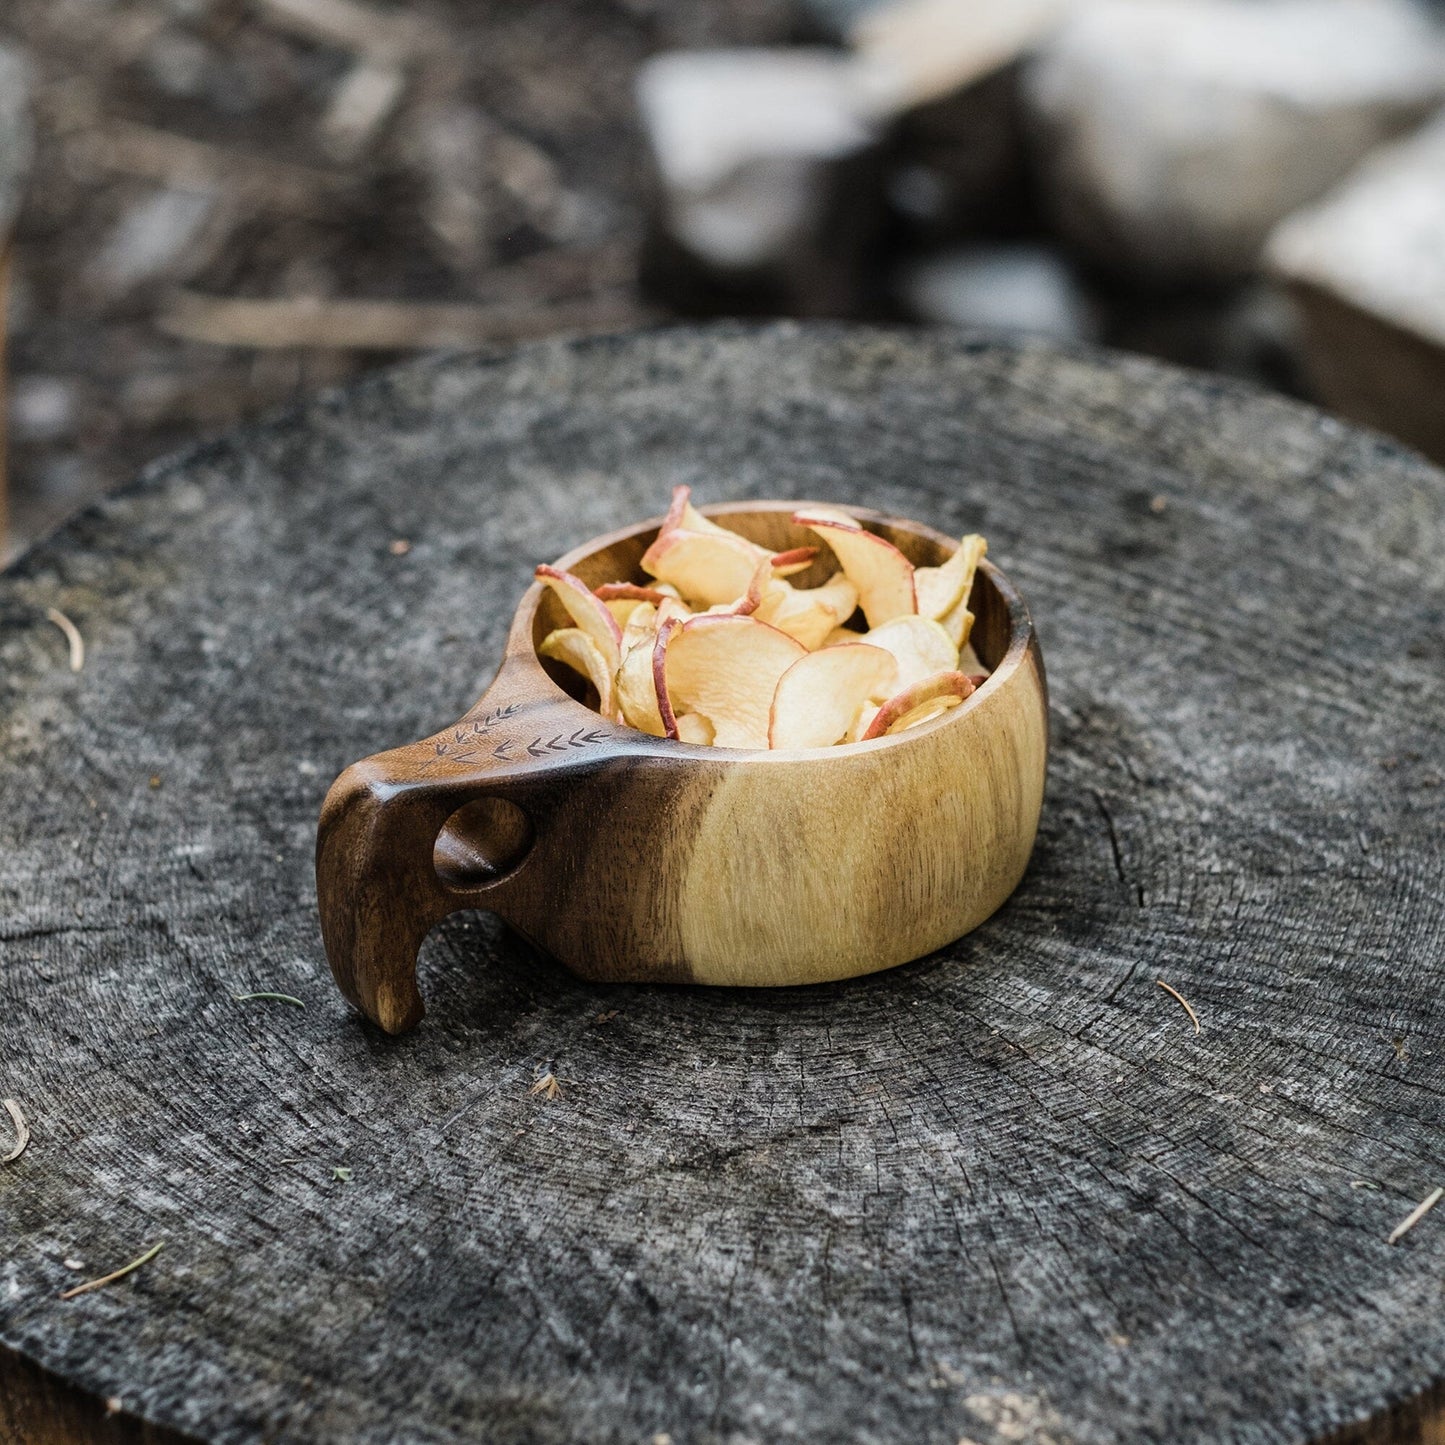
[{"x": 235, "y": 202}]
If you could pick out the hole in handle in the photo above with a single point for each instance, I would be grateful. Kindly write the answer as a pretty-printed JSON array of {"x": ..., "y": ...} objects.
[{"x": 481, "y": 842}]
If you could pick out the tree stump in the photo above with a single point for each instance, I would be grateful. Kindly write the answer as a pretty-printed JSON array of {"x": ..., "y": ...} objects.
[{"x": 1007, "y": 1193}]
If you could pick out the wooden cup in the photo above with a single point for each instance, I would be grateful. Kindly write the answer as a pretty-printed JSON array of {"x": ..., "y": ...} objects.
[{"x": 634, "y": 858}]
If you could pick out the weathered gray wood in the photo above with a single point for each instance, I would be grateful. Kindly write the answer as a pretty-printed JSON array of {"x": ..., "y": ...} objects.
[{"x": 1005, "y": 1193}]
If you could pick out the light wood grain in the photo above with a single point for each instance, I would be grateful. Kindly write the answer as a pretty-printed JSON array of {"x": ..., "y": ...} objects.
[{"x": 647, "y": 860}]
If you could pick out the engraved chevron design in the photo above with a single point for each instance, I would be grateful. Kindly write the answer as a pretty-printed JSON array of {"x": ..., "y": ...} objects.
[
  {"x": 460, "y": 748},
  {"x": 582, "y": 738},
  {"x": 465, "y": 734}
]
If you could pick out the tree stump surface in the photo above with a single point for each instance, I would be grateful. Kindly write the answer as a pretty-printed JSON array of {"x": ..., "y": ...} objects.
[{"x": 1003, "y": 1194}]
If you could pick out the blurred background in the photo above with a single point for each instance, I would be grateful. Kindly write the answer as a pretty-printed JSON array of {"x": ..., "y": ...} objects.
[{"x": 211, "y": 207}]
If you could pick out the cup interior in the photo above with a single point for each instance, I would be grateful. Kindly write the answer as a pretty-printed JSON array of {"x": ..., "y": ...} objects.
[{"x": 998, "y": 610}]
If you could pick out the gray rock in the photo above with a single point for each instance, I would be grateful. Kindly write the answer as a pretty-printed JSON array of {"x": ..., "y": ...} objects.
[
  {"x": 1367, "y": 267},
  {"x": 833, "y": 20},
  {"x": 448, "y": 141},
  {"x": 767, "y": 186},
  {"x": 363, "y": 102},
  {"x": 1021, "y": 287},
  {"x": 945, "y": 79},
  {"x": 17, "y": 138},
  {"x": 179, "y": 64},
  {"x": 44, "y": 408},
  {"x": 150, "y": 239},
  {"x": 919, "y": 52},
  {"x": 1176, "y": 133}
]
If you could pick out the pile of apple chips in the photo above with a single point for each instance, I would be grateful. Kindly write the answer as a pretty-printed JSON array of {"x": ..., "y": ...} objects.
[{"x": 721, "y": 648}]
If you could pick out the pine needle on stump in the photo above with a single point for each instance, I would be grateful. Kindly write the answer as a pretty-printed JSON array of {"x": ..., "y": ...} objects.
[
  {"x": 114, "y": 1275},
  {"x": 22, "y": 1131}
]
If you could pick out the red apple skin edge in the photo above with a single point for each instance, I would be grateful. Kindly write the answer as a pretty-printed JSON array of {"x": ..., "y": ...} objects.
[
  {"x": 831, "y": 524},
  {"x": 752, "y": 599},
  {"x": 805, "y": 518},
  {"x": 943, "y": 684},
  {"x": 681, "y": 495},
  {"x": 659, "y": 676},
  {"x": 793, "y": 555},
  {"x": 628, "y": 592},
  {"x": 567, "y": 579}
]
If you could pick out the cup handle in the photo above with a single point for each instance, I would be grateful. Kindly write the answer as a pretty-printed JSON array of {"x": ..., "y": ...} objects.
[{"x": 377, "y": 885}]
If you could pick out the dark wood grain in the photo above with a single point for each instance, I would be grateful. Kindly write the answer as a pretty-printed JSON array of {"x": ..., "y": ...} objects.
[
  {"x": 1005, "y": 1193},
  {"x": 36, "y": 1408}
]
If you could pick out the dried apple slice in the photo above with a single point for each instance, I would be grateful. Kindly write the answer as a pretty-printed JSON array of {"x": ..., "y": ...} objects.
[
  {"x": 637, "y": 692},
  {"x": 916, "y": 704},
  {"x": 726, "y": 668},
  {"x": 958, "y": 620},
  {"x": 666, "y": 628},
  {"x": 748, "y": 603},
  {"x": 820, "y": 694},
  {"x": 920, "y": 645},
  {"x": 861, "y": 719},
  {"x": 808, "y": 614},
  {"x": 840, "y": 636},
  {"x": 679, "y": 503},
  {"x": 588, "y": 612},
  {"x": 627, "y": 591},
  {"x": 958, "y": 624},
  {"x": 682, "y": 515},
  {"x": 880, "y": 572},
  {"x": 640, "y": 627},
  {"x": 924, "y": 712},
  {"x": 624, "y": 610},
  {"x": 685, "y": 517},
  {"x": 672, "y": 610},
  {"x": 795, "y": 559},
  {"x": 828, "y": 516},
  {"x": 707, "y": 568},
  {"x": 574, "y": 647},
  {"x": 693, "y": 727},
  {"x": 940, "y": 589},
  {"x": 621, "y": 598}
]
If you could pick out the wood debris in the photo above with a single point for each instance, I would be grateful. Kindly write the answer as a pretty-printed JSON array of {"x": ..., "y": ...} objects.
[
  {"x": 1415, "y": 1215},
  {"x": 358, "y": 325},
  {"x": 151, "y": 154},
  {"x": 384, "y": 35},
  {"x": 1193, "y": 1017},
  {"x": 334, "y": 149},
  {"x": 547, "y": 1087},
  {"x": 72, "y": 636},
  {"x": 111, "y": 1278},
  {"x": 361, "y": 106},
  {"x": 22, "y": 1131},
  {"x": 278, "y": 997}
]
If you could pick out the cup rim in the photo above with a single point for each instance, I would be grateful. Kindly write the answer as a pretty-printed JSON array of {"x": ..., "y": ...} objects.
[{"x": 1021, "y": 633}]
